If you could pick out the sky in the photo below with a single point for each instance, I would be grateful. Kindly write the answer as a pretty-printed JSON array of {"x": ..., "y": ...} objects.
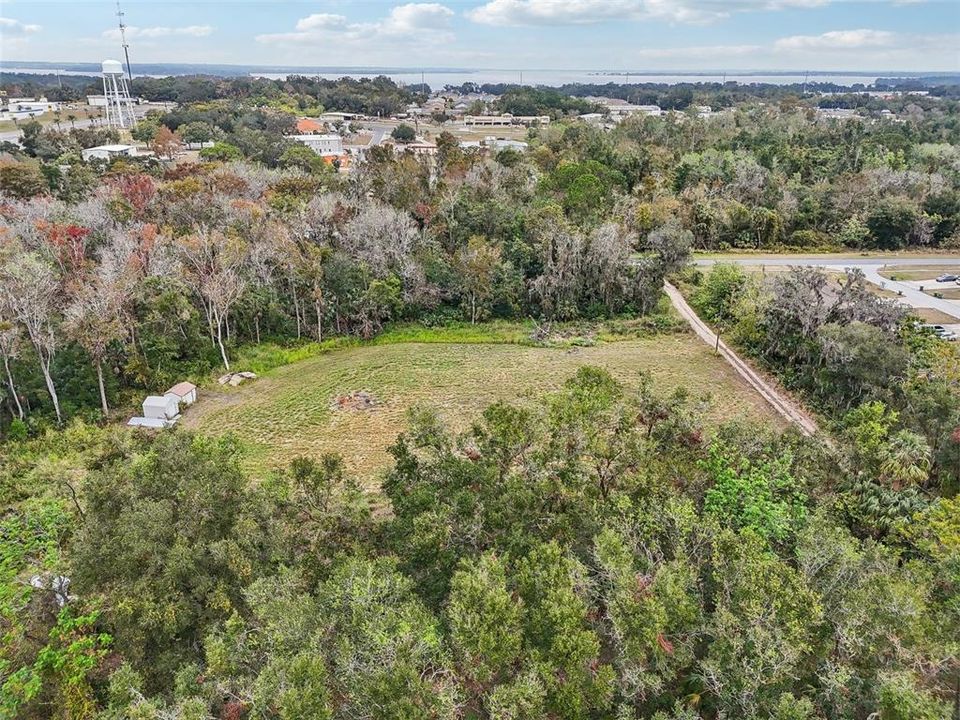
[{"x": 636, "y": 35}]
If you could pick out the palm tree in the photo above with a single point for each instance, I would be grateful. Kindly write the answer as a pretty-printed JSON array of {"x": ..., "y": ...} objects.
[
  {"x": 72, "y": 120},
  {"x": 907, "y": 460}
]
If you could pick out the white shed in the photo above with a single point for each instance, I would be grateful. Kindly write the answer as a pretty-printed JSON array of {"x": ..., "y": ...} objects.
[
  {"x": 164, "y": 407},
  {"x": 184, "y": 392}
]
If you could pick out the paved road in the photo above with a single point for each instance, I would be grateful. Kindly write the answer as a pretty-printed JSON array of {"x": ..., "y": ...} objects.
[
  {"x": 14, "y": 135},
  {"x": 778, "y": 399},
  {"x": 910, "y": 291}
]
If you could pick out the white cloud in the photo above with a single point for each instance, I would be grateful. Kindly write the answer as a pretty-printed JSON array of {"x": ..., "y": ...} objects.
[
  {"x": 583, "y": 12},
  {"x": 11, "y": 28},
  {"x": 575, "y": 12},
  {"x": 425, "y": 22},
  {"x": 839, "y": 40},
  {"x": 835, "y": 50},
  {"x": 134, "y": 32}
]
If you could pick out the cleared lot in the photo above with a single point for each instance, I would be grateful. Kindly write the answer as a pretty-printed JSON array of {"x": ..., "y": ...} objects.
[{"x": 294, "y": 410}]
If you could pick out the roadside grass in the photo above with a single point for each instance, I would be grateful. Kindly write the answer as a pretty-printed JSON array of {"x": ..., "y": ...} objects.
[
  {"x": 932, "y": 315},
  {"x": 948, "y": 292},
  {"x": 784, "y": 255},
  {"x": 918, "y": 272},
  {"x": 289, "y": 411}
]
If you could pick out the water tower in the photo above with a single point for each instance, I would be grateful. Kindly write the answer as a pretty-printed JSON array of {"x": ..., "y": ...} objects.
[{"x": 119, "y": 105}]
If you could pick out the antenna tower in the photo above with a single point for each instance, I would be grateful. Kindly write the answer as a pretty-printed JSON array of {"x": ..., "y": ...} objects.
[{"x": 123, "y": 40}]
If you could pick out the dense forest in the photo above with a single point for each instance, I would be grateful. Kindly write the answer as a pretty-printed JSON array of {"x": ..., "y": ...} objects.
[{"x": 602, "y": 552}]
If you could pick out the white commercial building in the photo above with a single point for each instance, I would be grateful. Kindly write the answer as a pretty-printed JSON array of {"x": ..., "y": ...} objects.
[
  {"x": 108, "y": 152},
  {"x": 505, "y": 120},
  {"x": 26, "y": 108},
  {"x": 324, "y": 145}
]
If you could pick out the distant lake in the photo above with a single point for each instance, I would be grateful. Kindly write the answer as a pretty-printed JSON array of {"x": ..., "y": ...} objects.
[{"x": 438, "y": 79}]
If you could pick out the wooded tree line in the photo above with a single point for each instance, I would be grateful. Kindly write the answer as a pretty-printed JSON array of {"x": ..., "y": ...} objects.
[
  {"x": 150, "y": 278},
  {"x": 597, "y": 555},
  {"x": 586, "y": 223}
]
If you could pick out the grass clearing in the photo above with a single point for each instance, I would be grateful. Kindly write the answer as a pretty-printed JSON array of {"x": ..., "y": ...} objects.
[{"x": 287, "y": 412}]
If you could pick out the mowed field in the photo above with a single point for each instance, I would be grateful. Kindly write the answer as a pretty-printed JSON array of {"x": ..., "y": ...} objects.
[{"x": 287, "y": 412}]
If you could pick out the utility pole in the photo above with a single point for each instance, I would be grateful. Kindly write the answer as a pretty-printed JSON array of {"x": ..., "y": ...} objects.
[{"x": 123, "y": 40}]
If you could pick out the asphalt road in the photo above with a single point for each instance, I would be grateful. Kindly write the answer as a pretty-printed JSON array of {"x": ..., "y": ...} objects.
[
  {"x": 14, "y": 135},
  {"x": 910, "y": 291}
]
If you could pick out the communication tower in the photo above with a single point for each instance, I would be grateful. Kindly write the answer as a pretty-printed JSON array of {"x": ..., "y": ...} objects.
[
  {"x": 123, "y": 41},
  {"x": 119, "y": 105}
]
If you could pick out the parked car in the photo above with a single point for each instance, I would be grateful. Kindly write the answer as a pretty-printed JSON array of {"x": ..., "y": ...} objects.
[
  {"x": 947, "y": 278},
  {"x": 941, "y": 332},
  {"x": 938, "y": 331}
]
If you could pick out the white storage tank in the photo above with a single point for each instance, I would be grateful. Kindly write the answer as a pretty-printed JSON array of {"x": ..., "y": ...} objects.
[{"x": 112, "y": 67}]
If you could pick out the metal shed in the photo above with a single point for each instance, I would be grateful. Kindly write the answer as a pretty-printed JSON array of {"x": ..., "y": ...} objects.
[{"x": 162, "y": 407}]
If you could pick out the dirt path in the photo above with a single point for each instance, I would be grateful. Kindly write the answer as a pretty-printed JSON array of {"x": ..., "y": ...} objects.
[{"x": 778, "y": 399}]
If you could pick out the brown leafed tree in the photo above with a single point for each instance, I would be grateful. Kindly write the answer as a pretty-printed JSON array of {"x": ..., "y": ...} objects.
[{"x": 165, "y": 143}]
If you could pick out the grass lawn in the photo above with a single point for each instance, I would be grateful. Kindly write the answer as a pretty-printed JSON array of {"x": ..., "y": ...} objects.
[
  {"x": 287, "y": 412},
  {"x": 919, "y": 272},
  {"x": 947, "y": 292},
  {"x": 932, "y": 315}
]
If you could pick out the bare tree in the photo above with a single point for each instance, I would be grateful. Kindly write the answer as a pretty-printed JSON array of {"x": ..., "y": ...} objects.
[
  {"x": 214, "y": 268},
  {"x": 94, "y": 321},
  {"x": 9, "y": 348},
  {"x": 31, "y": 291}
]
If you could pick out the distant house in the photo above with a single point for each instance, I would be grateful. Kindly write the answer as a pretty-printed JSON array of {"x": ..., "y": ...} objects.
[
  {"x": 323, "y": 145},
  {"x": 333, "y": 117},
  {"x": 838, "y": 114},
  {"x": 108, "y": 152},
  {"x": 505, "y": 120},
  {"x": 184, "y": 392},
  {"x": 161, "y": 407},
  {"x": 420, "y": 148}
]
